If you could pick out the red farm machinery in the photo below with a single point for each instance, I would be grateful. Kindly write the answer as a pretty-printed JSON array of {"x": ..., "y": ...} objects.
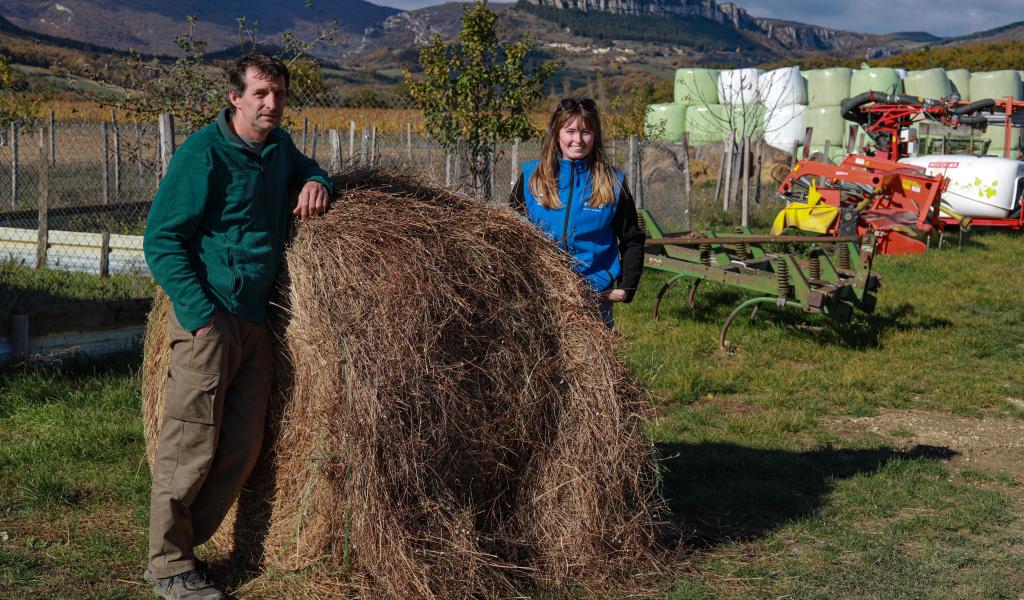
[{"x": 904, "y": 201}]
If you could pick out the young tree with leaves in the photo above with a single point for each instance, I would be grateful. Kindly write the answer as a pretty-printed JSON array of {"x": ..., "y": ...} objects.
[{"x": 478, "y": 89}]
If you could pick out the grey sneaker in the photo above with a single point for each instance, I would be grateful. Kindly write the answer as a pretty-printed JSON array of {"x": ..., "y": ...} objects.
[{"x": 190, "y": 585}]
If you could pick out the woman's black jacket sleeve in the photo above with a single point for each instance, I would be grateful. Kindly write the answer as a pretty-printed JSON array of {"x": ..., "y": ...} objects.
[{"x": 628, "y": 231}]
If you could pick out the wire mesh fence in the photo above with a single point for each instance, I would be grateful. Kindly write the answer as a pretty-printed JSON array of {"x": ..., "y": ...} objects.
[{"x": 75, "y": 194}]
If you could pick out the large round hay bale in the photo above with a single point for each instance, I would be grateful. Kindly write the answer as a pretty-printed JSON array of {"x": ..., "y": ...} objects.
[{"x": 451, "y": 418}]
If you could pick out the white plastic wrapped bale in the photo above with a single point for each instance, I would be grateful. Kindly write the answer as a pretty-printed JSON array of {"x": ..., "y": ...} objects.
[
  {"x": 828, "y": 87},
  {"x": 875, "y": 79},
  {"x": 703, "y": 124},
  {"x": 738, "y": 86},
  {"x": 996, "y": 135},
  {"x": 836, "y": 154},
  {"x": 928, "y": 83},
  {"x": 696, "y": 86},
  {"x": 782, "y": 87},
  {"x": 960, "y": 79},
  {"x": 784, "y": 126},
  {"x": 828, "y": 125},
  {"x": 984, "y": 187},
  {"x": 666, "y": 121}
]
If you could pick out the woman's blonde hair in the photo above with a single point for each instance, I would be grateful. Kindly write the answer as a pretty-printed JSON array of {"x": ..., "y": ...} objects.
[{"x": 544, "y": 182}]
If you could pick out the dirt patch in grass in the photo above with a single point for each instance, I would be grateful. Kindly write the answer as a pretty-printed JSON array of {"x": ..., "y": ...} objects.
[{"x": 990, "y": 443}]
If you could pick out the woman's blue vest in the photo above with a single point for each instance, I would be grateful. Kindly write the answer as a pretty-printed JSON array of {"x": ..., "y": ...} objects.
[{"x": 583, "y": 231}]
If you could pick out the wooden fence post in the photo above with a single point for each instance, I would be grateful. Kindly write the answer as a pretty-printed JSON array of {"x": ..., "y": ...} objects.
[
  {"x": 687, "y": 190},
  {"x": 105, "y": 164},
  {"x": 305, "y": 133},
  {"x": 759, "y": 168},
  {"x": 448, "y": 166},
  {"x": 53, "y": 140},
  {"x": 351, "y": 140},
  {"x": 117, "y": 154},
  {"x": 745, "y": 216},
  {"x": 737, "y": 171},
  {"x": 19, "y": 336},
  {"x": 316, "y": 137},
  {"x": 364, "y": 145},
  {"x": 460, "y": 149},
  {"x": 166, "y": 123},
  {"x": 808, "y": 132},
  {"x": 373, "y": 146},
  {"x": 105, "y": 254},
  {"x": 639, "y": 171},
  {"x": 515, "y": 170},
  {"x": 408, "y": 141},
  {"x": 851, "y": 139},
  {"x": 334, "y": 140},
  {"x": 631, "y": 164},
  {"x": 828, "y": 148},
  {"x": 15, "y": 165},
  {"x": 43, "y": 232},
  {"x": 727, "y": 176},
  {"x": 721, "y": 172}
]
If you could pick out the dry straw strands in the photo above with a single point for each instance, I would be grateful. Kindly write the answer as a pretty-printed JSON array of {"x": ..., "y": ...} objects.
[{"x": 451, "y": 419}]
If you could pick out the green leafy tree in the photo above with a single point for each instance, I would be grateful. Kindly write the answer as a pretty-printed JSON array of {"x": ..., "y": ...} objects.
[
  {"x": 15, "y": 105},
  {"x": 479, "y": 90}
]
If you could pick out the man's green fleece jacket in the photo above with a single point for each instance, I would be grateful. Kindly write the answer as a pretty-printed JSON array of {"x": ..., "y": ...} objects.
[{"x": 216, "y": 230}]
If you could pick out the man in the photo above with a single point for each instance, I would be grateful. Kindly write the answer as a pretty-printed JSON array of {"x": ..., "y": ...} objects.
[{"x": 214, "y": 241}]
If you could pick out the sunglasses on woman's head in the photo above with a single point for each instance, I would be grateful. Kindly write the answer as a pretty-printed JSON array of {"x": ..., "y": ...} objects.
[{"x": 573, "y": 104}]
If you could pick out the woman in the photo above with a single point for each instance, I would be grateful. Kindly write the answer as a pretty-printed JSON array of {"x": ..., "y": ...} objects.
[{"x": 575, "y": 196}]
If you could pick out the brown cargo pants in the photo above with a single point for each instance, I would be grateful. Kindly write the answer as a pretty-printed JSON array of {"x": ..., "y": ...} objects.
[{"x": 218, "y": 388}]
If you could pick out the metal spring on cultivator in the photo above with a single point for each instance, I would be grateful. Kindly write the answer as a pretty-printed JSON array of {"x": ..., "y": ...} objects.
[
  {"x": 814, "y": 266},
  {"x": 705, "y": 255},
  {"x": 844, "y": 257},
  {"x": 782, "y": 277}
]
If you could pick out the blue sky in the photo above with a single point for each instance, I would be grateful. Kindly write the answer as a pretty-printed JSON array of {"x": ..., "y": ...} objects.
[{"x": 940, "y": 17}]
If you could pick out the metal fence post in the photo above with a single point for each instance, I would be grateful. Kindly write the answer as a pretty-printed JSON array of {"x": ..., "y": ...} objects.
[{"x": 166, "y": 123}]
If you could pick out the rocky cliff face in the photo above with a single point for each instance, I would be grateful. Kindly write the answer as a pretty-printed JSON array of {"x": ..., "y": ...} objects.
[{"x": 788, "y": 34}]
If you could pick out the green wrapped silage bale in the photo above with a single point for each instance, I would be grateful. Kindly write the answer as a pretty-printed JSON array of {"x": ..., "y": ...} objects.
[
  {"x": 875, "y": 79},
  {"x": 928, "y": 83},
  {"x": 666, "y": 121},
  {"x": 828, "y": 87},
  {"x": 996, "y": 134},
  {"x": 696, "y": 86},
  {"x": 828, "y": 125},
  {"x": 995, "y": 84},
  {"x": 702, "y": 123},
  {"x": 961, "y": 80}
]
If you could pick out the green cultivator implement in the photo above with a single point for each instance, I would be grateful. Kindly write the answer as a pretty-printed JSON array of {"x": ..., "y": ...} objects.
[{"x": 833, "y": 283}]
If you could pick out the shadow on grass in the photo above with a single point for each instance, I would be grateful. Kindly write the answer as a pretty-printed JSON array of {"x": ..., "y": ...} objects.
[
  {"x": 722, "y": 493},
  {"x": 862, "y": 331}
]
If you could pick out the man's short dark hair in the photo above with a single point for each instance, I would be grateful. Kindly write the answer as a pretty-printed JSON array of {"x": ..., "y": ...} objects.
[{"x": 266, "y": 66}]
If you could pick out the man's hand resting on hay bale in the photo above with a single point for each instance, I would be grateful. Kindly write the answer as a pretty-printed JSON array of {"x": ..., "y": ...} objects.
[{"x": 312, "y": 200}]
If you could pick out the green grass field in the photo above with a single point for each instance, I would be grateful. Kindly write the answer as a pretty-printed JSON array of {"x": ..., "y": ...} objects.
[{"x": 881, "y": 459}]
